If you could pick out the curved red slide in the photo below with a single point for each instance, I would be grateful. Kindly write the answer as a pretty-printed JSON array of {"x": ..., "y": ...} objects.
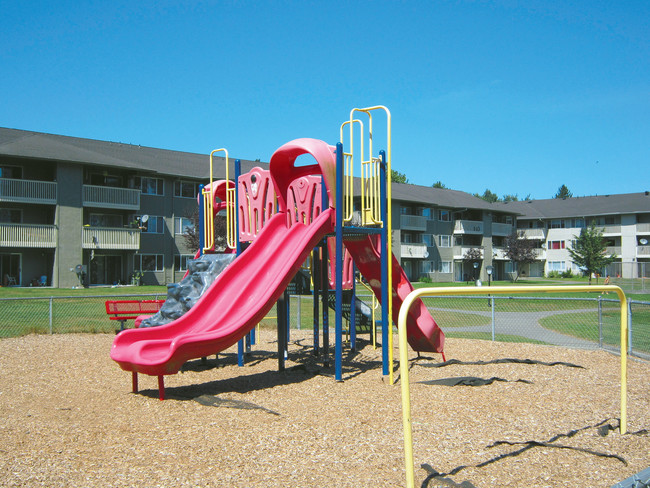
[
  {"x": 237, "y": 301},
  {"x": 422, "y": 331}
]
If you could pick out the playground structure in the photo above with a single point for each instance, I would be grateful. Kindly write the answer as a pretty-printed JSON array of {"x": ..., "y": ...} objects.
[{"x": 281, "y": 216}]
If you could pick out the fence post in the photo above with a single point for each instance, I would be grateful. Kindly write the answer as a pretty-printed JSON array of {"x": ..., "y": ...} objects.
[
  {"x": 493, "y": 322},
  {"x": 298, "y": 309},
  {"x": 600, "y": 322},
  {"x": 629, "y": 327},
  {"x": 50, "y": 318}
]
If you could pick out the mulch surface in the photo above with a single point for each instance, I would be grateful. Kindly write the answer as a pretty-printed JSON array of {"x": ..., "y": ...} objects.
[{"x": 69, "y": 418}]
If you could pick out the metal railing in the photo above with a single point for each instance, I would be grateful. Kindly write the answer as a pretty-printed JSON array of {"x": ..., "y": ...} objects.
[
  {"x": 109, "y": 197},
  {"x": 110, "y": 238},
  {"x": 28, "y": 191},
  {"x": 28, "y": 235}
]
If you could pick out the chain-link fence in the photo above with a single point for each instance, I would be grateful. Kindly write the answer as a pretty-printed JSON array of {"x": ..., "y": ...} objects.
[{"x": 568, "y": 322}]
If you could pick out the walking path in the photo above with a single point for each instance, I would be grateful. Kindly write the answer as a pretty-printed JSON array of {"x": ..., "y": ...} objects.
[{"x": 524, "y": 324}]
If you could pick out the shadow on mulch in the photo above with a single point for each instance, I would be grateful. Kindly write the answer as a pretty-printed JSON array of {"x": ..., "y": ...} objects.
[{"x": 309, "y": 365}]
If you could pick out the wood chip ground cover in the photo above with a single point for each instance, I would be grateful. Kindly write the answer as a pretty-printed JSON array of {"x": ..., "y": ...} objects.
[{"x": 69, "y": 419}]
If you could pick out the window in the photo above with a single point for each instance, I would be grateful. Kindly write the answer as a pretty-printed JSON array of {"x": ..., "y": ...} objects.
[
  {"x": 150, "y": 186},
  {"x": 105, "y": 220},
  {"x": 153, "y": 225},
  {"x": 101, "y": 179},
  {"x": 444, "y": 215},
  {"x": 428, "y": 266},
  {"x": 406, "y": 238},
  {"x": 579, "y": 223},
  {"x": 557, "y": 224},
  {"x": 427, "y": 239},
  {"x": 181, "y": 261},
  {"x": 148, "y": 262},
  {"x": 182, "y": 225},
  {"x": 426, "y": 212},
  {"x": 11, "y": 216},
  {"x": 556, "y": 265},
  {"x": 186, "y": 189},
  {"x": 556, "y": 244},
  {"x": 14, "y": 172},
  {"x": 445, "y": 267},
  {"x": 445, "y": 241}
]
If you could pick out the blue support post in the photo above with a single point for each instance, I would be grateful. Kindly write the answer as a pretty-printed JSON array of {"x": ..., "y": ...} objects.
[
  {"x": 244, "y": 343},
  {"x": 338, "y": 265},
  {"x": 386, "y": 287}
]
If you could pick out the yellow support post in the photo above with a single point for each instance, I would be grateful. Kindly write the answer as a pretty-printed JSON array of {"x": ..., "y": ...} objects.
[
  {"x": 494, "y": 290},
  {"x": 231, "y": 211}
]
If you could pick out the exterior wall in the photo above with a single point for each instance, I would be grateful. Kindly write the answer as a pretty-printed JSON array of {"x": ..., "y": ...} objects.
[{"x": 69, "y": 220}]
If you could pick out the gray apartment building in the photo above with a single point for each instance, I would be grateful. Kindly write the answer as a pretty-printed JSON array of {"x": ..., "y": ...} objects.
[{"x": 69, "y": 204}]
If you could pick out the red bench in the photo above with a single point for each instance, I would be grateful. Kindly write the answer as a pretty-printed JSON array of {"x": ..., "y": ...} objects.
[{"x": 124, "y": 310}]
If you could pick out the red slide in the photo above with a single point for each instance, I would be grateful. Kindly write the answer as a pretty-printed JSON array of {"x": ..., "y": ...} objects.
[
  {"x": 422, "y": 331},
  {"x": 238, "y": 299}
]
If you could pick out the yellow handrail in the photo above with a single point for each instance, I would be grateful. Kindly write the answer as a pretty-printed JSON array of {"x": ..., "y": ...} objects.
[
  {"x": 348, "y": 170},
  {"x": 494, "y": 290},
  {"x": 231, "y": 211},
  {"x": 373, "y": 191}
]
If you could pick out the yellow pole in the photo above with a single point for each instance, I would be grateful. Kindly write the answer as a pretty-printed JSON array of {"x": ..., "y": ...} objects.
[{"x": 496, "y": 290}]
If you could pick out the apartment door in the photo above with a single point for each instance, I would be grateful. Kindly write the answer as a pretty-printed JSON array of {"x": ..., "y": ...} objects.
[
  {"x": 105, "y": 269},
  {"x": 10, "y": 269}
]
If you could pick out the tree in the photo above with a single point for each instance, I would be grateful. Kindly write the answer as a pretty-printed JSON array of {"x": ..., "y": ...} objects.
[
  {"x": 488, "y": 196},
  {"x": 438, "y": 184},
  {"x": 563, "y": 193},
  {"x": 397, "y": 177},
  {"x": 473, "y": 255},
  {"x": 510, "y": 198},
  {"x": 191, "y": 234},
  {"x": 519, "y": 250},
  {"x": 589, "y": 250}
]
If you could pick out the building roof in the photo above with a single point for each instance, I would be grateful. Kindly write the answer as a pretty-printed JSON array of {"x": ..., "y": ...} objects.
[
  {"x": 555, "y": 208},
  {"x": 37, "y": 145},
  {"x": 442, "y": 197}
]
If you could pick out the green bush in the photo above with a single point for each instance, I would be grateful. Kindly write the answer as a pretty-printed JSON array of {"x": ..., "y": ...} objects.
[{"x": 425, "y": 279}]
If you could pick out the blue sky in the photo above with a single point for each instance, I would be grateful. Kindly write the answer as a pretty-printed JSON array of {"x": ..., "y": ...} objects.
[{"x": 516, "y": 96}]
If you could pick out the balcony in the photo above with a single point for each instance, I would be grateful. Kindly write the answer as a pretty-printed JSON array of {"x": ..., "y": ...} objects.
[
  {"x": 413, "y": 222},
  {"x": 499, "y": 253},
  {"x": 28, "y": 235},
  {"x": 110, "y": 238},
  {"x": 501, "y": 229},
  {"x": 539, "y": 234},
  {"x": 416, "y": 251},
  {"x": 468, "y": 227},
  {"x": 643, "y": 228},
  {"x": 28, "y": 191},
  {"x": 612, "y": 229},
  {"x": 643, "y": 251},
  {"x": 615, "y": 250},
  {"x": 109, "y": 197},
  {"x": 460, "y": 251}
]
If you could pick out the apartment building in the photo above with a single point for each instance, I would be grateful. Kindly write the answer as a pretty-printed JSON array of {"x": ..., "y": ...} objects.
[
  {"x": 449, "y": 235},
  {"x": 555, "y": 223},
  {"x": 112, "y": 210},
  {"x": 72, "y": 211}
]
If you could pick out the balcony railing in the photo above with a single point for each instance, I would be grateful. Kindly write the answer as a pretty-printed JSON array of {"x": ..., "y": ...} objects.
[
  {"x": 499, "y": 229},
  {"x": 499, "y": 253},
  {"x": 109, "y": 197},
  {"x": 28, "y": 235},
  {"x": 643, "y": 228},
  {"x": 616, "y": 250},
  {"x": 418, "y": 251},
  {"x": 413, "y": 222},
  {"x": 612, "y": 229},
  {"x": 110, "y": 238},
  {"x": 534, "y": 234},
  {"x": 468, "y": 227},
  {"x": 28, "y": 191},
  {"x": 643, "y": 251},
  {"x": 461, "y": 251}
]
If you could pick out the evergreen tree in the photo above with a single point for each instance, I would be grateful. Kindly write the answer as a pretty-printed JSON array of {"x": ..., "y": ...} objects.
[
  {"x": 488, "y": 196},
  {"x": 588, "y": 251},
  {"x": 438, "y": 184},
  {"x": 563, "y": 192}
]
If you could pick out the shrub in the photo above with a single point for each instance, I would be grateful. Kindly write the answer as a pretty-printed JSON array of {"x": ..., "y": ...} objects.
[{"x": 425, "y": 279}]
